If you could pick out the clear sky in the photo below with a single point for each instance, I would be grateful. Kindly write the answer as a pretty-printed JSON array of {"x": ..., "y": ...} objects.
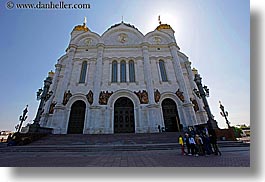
[{"x": 214, "y": 34}]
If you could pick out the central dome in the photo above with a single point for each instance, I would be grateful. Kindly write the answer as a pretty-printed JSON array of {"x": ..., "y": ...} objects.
[{"x": 126, "y": 24}]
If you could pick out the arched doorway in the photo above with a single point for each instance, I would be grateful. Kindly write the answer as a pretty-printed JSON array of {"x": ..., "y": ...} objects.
[
  {"x": 124, "y": 116},
  {"x": 77, "y": 117},
  {"x": 170, "y": 115}
]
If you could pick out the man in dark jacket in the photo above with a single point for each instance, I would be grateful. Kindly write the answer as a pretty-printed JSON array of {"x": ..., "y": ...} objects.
[
  {"x": 213, "y": 141},
  {"x": 186, "y": 140}
]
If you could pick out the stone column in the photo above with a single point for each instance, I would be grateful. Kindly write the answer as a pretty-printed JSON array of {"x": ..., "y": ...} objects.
[
  {"x": 159, "y": 73},
  {"x": 136, "y": 72},
  {"x": 95, "y": 116},
  {"x": 147, "y": 75},
  {"x": 118, "y": 72},
  {"x": 59, "y": 118},
  {"x": 53, "y": 87},
  {"x": 67, "y": 73},
  {"x": 110, "y": 71},
  {"x": 154, "y": 114},
  {"x": 127, "y": 72},
  {"x": 98, "y": 75},
  {"x": 188, "y": 106}
]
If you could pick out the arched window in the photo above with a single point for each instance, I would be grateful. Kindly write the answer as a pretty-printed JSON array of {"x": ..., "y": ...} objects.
[
  {"x": 83, "y": 72},
  {"x": 114, "y": 71},
  {"x": 123, "y": 71},
  {"x": 131, "y": 71},
  {"x": 163, "y": 71}
]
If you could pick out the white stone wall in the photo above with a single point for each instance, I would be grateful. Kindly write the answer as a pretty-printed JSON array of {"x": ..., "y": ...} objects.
[{"x": 123, "y": 43}]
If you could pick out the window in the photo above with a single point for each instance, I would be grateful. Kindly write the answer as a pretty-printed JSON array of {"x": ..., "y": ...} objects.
[
  {"x": 131, "y": 71},
  {"x": 123, "y": 71},
  {"x": 163, "y": 71},
  {"x": 114, "y": 71},
  {"x": 83, "y": 72}
]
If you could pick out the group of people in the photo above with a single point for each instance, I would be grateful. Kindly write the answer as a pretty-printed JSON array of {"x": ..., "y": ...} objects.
[{"x": 198, "y": 144}]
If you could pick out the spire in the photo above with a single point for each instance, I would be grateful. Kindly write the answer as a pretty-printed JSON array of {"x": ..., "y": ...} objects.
[
  {"x": 84, "y": 22},
  {"x": 163, "y": 26},
  {"x": 159, "y": 21},
  {"x": 82, "y": 27}
]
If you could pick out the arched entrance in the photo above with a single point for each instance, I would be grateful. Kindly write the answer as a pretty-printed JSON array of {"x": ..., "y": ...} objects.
[
  {"x": 170, "y": 115},
  {"x": 77, "y": 117},
  {"x": 124, "y": 116}
]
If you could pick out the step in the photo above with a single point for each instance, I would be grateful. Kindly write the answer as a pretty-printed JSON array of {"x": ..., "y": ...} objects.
[{"x": 108, "y": 139}]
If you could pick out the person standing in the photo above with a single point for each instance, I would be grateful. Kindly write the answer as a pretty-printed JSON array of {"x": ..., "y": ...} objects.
[
  {"x": 193, "y": 146},
  {"x": 186, "y": 139},
  {"x": 207, "y": 144},
  {"x": 181, "y": 142},
  {"x": 199, "y": 144},
  {"x": 213, "y": 141},
  {"x": 159, "y": 128}
]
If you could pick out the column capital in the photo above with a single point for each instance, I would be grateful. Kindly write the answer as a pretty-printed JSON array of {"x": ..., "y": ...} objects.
[
  {"x": 174, "y": 45},
  {"x": 58, "y": 66},
  {"x": 100, "y": 45},
  {"x": 187, "y": 63},
  {"x": 71, "y": 47},
  {"x": 145, "y": 45}
]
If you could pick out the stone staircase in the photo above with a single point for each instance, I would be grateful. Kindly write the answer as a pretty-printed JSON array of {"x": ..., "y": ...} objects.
[
  {"x": 109, "y": 139},
  {"x": 107, "y": 142}
]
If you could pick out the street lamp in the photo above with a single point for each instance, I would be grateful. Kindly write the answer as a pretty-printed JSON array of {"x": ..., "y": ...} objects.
[
  {"x": 202, "y": 93},
  {"x": 224, "y": 114},
  {"x": 43, "y": 96},
  {"x": 39, "y": 94},
  {"x": 22, "y": 118}
]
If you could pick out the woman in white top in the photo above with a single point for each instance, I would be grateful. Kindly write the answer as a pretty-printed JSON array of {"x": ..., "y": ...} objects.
[{"x": 192, "y": 146}]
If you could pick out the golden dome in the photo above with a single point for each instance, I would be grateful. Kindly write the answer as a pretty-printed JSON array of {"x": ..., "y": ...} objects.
[
  {"x": 164, "y": 26},
  {"x": 81, "y": 28},
  {"x": 194, "y": 71},
  {"x": 51, "y": 74}
]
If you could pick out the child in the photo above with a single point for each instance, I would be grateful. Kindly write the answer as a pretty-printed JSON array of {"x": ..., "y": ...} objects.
[{"x": 182, "y": 145}]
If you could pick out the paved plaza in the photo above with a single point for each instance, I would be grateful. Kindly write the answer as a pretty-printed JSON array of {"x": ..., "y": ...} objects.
[{"x": 231, "y": 157}]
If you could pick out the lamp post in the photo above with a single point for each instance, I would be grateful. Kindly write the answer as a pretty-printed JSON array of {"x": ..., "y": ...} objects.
[
  {"x": 43, "y": 96},
  {"x": 22, "y": 118},
  {"x": 202, "y": 93},
  {"x": 224, "y": 114}
]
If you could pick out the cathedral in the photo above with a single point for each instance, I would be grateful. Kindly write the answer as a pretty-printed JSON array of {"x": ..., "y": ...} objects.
[{"x": 122, "y": 82}]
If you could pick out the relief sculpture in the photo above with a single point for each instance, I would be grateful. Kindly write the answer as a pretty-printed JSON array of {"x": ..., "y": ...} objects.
[
  {"x": 104, "y": 97},
  {"x": 143, "y": 96},
  {"x": 66, "y": 97},
  {"x": 157, "y": 95},
  {"x": 89, "y": 97},
  {"x": 51, "y": 110},
  {"x": 195, "y": 104},
  {"x": 180, "y": 95}
]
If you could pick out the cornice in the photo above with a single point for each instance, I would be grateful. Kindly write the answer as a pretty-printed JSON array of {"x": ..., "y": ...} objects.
[{"x": 161, "y": 57}]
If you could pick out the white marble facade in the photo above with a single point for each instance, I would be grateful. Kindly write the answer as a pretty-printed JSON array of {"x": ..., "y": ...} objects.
[{"x": 122, "y": 43}]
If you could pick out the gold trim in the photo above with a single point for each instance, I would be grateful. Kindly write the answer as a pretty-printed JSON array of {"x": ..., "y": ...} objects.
[{"x": 81, "y": 28}]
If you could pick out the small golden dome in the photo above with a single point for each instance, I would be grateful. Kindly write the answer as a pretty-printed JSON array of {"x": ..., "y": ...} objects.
[
  {"x": 51, "y": 74},
  {"x": 81, "y": 28},
  {"x": 164, "y": 26},
  {"x": 194, "y": 71}
]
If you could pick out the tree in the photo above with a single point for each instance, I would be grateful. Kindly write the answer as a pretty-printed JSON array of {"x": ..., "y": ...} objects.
[{"x": 238, "y": 131}]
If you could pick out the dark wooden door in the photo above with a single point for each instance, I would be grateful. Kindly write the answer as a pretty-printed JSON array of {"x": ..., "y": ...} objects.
[
  {"x": 124, "y": 116},
  {"x": 170, "y": 115},
  {"x": 77, "y": 117}
]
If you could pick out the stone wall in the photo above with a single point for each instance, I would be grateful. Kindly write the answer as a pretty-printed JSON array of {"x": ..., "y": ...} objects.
[{"x": 228, "y": 134}]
